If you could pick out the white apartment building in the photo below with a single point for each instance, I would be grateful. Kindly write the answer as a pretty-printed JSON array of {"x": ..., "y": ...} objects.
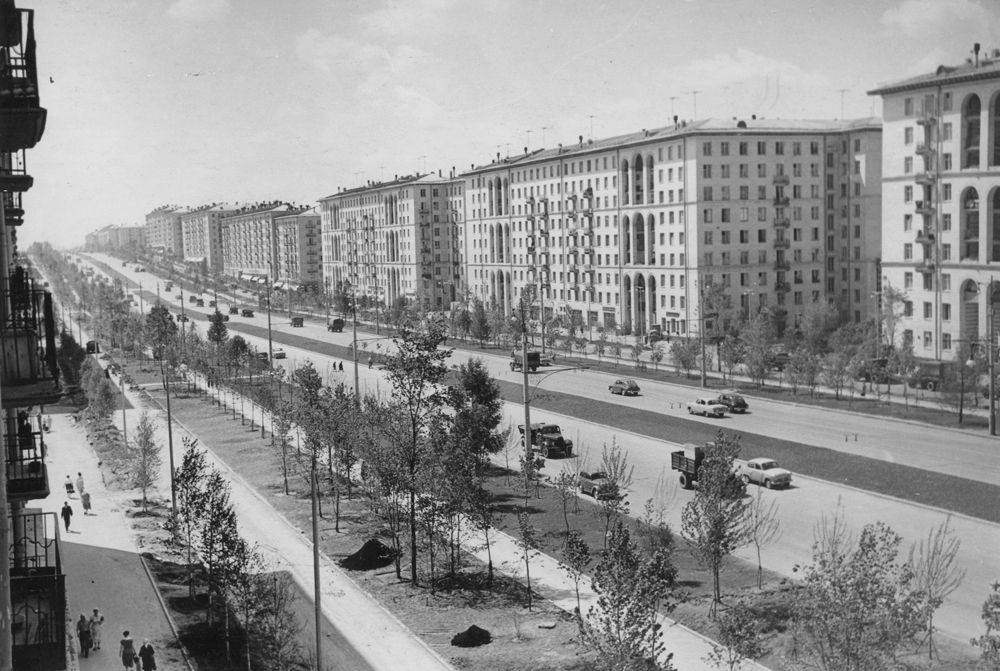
[
  {"x": 397, "y": 239},
  {"x": 941, "y": 204},
  {"x": 163, "y": 229},
  {"x": 626, "y": 232},
  {"x": 299, "y": 258},
  {"x": 201, "y": 230},
  {"x": 249, "y": 240}
]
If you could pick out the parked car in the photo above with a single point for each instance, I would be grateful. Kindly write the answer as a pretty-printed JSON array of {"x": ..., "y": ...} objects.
[
  {"x": 182, "y": 318},
  {"x": 200, "y": 302},
  {"x": 595, "y": 484},
  {"x": 765, "y": 472},
  {"x": 929, "y": 375},
  {"x": 780, "y": 359},
  {"x": 733, "y": 402},
  {"x": 875, "y": 370},
  {"x": 279, "y": 353},
  {"x": 336, "y": 326},
  {"x": 548, "y": 439},
  {"x": 246, "y": 312},
  {"x": 169, "y": 286},
  {"x": 687, "y": 461},
  {"x": 546, "y": 359},
  {"x": 124, "y": 264},
  {"x": 624, "y": 387},
  {"x": 706, "y": 406},
  {"x": 234, "y": 310},
  {"x": 212, "y": 304},
  {"x": 225, "y": 318},
  {"x": 297, "y": 322},
  {"x": 192, "y": 299},
  {"x": 179, "y": 297}
]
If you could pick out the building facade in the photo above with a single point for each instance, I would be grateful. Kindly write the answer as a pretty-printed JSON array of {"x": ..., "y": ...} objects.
[
  {"x": 249, "y": 240},
  {"x": 201, "y": 230},
  {"x": 629, "y": 232},
  {"x": 117, "y": 237},
  {"x": 164, "y": 231},
  {"x": 397, "y": 239},
  {"x": 941, "y": 203},
  {"x": 300, "y": 261}
]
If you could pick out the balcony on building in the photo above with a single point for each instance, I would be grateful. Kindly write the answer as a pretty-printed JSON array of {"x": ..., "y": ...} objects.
[
  {"x": 924, "y": 238},
  {"x": 24, "y": 450},
  {"x": 780, "y": 201},
  {"x": 13, "y": 213},
  {"x": 781, "y": 287},
  {"x": 571, "y": 215},
  {"x": 14, "y": 172},
  {"x": 926, "y": 266},
  {"x": 925, "y": 149},
  {"x": 782, "y": 222},
  {"x": 22, "y": 118},
  {"x": 924, "y": 178},
  {"x": 925, "y": 208},
  {"x": 927, "y": 121},
  {"x": 782, "y": 265},
  {"x": 37, "y": 592},
  {"x": 781, "y": 179},
  {"x": 29, "y": 374},
  {"x": 782, "y": 243}
]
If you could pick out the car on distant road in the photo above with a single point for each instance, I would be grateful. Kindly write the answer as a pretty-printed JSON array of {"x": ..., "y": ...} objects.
[
  {"x": 595, "y": 484},
  {"x": 779, "y": 360},
  {"x": 182, "y": 318},
  {"x": 624, "y": 387},
  {"x": 546, "y": 359},
  {"x": 246, "y": 312},
  {"x": 548, "y": 439},
  {"x": 336, "y": 326},
  {"x": 298, "y": 322},
  {"x": 733, "y": 402},
  {"x": 212, "y": 304},
  {"x": 706, "y": 406},
  {"x": 179, "y": 297},
  {"x": 234, "y": 310},
  {"x": 763, "y": 471},
  {"x": 279, "y": 353},
  {"x": 225, "y": 318},
  {"x": 200, "y": 303}
]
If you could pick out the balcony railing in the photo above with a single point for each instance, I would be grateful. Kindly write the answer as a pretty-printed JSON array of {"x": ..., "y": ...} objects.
[
  {"x": 12, "y": 211},
  {"x": 22, "y": 119},
  {"x": 782, "y": 265},
  {"x": 24, "y": 450},
  {"x": 925, "y": 149},
  {"x": 781, "y": 179},
  {"x": 782, "y": 243},
  {"x": 781, "y": 287},
  {"x": 14, "y": 172},
  {"x": 780, "y": 201},
  {"x": 925, "y": 208},
  {"x": 782, "y": 222},
  {"x": 37, "y": 593},
  {"x": 924, "y": 178},
  {"x": 29, "y": 373}
]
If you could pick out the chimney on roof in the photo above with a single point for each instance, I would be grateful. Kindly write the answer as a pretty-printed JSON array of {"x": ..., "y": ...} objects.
[
  {"x": 975, "y": 50},
  {"x": 439, "y": 172},
  {"x": 525, "y": 151},
  {"x": 498, "y": 157}
]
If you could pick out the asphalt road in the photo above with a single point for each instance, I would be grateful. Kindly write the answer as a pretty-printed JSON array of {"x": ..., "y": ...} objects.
[{"x": 801, "y": 507}]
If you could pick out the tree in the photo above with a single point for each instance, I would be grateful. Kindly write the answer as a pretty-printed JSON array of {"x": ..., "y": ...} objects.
[
  {"x": 601, "y": 345},
  {"x": 415, "y": 372},
  {"x": 576, "y": 557},
  {"x": 527, "y": 540},
  {"x": 218, "y": 333},
  {"x": 739, "y": 639},
  {"x": 71, "y": 358},
  {"x": 478, "y": 407},
  {"x": 858, "y": 606},
  {"x": 653, "y": 525},
  {"x": 616, "y": 350},
  {"x": 757, "y": 340},
  {"x": 893, "y": 309},
  {"x": 617, "y": 480},
  {"x": 730, "y": 353},
  {"x": 189, "y": 484},
  {"x": 836, "y": 371},
  {"x": 275, "y": 625},
  {"x": 684, "y": 355},
  {"x": 935, "y": 572},
  {"x": 103, "y": 401},
  {"x": 161, "y": 330},
  {"x": 989, "y": 643},
  {"x": 145, "y": 461},
  {"x": 218, "y": 521},
  {"x": 635, "y": 350},
  {"x": 631, "y": 591},
  {"x": 715, "y": 523},
  {"x": 565, "y": 486},
  {"x": 656, "y": 356},
  {"x": 763, "y": 529},
  {"x": 480, "y": 327}
]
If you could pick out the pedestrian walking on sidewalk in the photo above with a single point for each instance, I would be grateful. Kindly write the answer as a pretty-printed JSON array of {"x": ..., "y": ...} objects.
[
  {"x": 341, "y": 366},
  {"x": 369, "y": 362},
  {"x": 67, "y": 514},
  {"x": 79, "y": 483},
  {"x": 127, "y": 652},
  {"x": 83, "y": 633},
  {"x": 96, "y": 622},
  {"x": 147, "y": 655},
  {"x": 69, "y": 487},
  {"x": 85, "y": 499}
]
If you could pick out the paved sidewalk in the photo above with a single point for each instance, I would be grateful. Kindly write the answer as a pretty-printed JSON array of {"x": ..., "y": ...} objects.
[{"x": 102, "y": 566}]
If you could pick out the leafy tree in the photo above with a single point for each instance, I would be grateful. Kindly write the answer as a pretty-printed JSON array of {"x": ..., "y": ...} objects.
[
  {"x": 613, "y": 498},
  {"x": 71, "y": 358},
  {"x": 653, "y": 525},
  {"x": 616, "y": 350},
  {"x": 935, "y": 572},
  {"x": 635, "y": 350},
  {"x": 161, "y": 330},
  {"x": 218, "y": 522},
  {"x": 576, "y": 559},
  {"x": 739, "y": 639},
  {"x": 103, "y": 401},
  {"x": 565, "y": 486},
  {"x": 275, "y": 626},
  {"x": 527, "y": 540},
  {"x": 480, "y": 327},
  {"x": 715, "y": 523},
  {"x": 757, "y": 340},
  {"x": 218, "y": 333},
  {"x": 189, "y": 484},
  {"x": 145, "y": 461},
  {"x": 989, "y": 643},
  {"x": 836, "y": 371},
  {"x": 684, "y": 355},
  {"x": 730, "y": 353},
  {"x": 858, "y": 605},
  {"x": 601, "y": 345},
  {"x": 656, "y": 356},
  {"x": 892, "y": 311},
  {"x": 631, "y": 592},
  {"x": 763, "y": 529}
]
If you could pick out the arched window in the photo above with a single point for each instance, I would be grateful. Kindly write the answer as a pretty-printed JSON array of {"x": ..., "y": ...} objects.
[
  {"x": 971, "y": 121},
  {"x": 637, "y": 179},
  {"x": 640, "y": 239},
  {"x": 506, "y": 197},
  {"x": 490, "y": 196},
  {"x": 970, "y": 224},
  {"x": 995, "y": 226},
  {"x": 649, "y": 177},
  {"x": 970, "y": 311},
  {"x": 625, "y": 182},
  {"x": 995, "y": 129},
  {"x": 493, "y": 245},
  {"x": 627, "y": 239}
]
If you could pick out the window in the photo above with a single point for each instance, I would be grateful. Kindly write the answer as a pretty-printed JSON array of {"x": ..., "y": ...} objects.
[
  {"x": 908, "y": 194},
  {"x": 762, "y": 235},
  {"x": 744, "y": 170},
  {"x": 946, "y": 222},
  {"x": 946, "y": 192},
  {"x": 761, "y": 193},
  {"x": 724, "y": 169},
  {"x": 907, "y": 308},
  {"x": 928, "y": 281},
  {"x": 946, "y": 131},
  {"x": 946, "y": 341},
  {"x": 706, "y": 171},
  {"x": 908, "y": 164},
  {"x": 707, "y": 192},
  {"x": 908, "y": 251},
  {"x": 706, "y": 216},
  {"x": 744, "y": 150},
  {"x": 946, "y": 282},
  {"x": 857, "y": 167},
  {"x": 744, "y": 237},
  {"x": 928, "y": 310},
  {"x": 762, "y": 170},
  {"x": 724, "y": 216},
  {"x": 907, "y": 280},
  {"x": 761, "y": 214},
  {"x": 814, "y": 148},
  {"x": 724, "y": 148},
  {"x": 708, "y": 258},
  {"x": 945, "y": 311},
  {"x": 708, "y": 237},
  {"x": 908, "y": 135},
  {"x": 779, "y": 148},
  {"x": 706, "y": 149},
  {"x": 971, "y": 122},
  {"x": 725, "y": 235},
  {"x": 908, "y": 106},
  {"x": 744, "y": 193},
  {"x": 946, "y": 102}
]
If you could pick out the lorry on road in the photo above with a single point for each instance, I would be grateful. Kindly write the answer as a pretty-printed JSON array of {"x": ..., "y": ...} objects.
[
  {"x": 687, "y": 460},
  {"x": 533, "y": 361},
  {"x": 548, "y": 439}
]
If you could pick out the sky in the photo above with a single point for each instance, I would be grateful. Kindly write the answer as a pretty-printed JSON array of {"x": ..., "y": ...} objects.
[{"x": 190, "y": 102}]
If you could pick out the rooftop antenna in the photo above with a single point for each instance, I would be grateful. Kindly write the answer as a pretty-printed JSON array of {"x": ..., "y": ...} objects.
[
  {"x": 529, "y": 139},
  {"x": 591, "y": 126},
  {"x": 672, "y": 99},
  {"x": 418, "y": 163},
  {"x": 544, "y": 128},
  {"x": 695, "y": 94},
  {"x": 381, "y": 169},
  {"x": 360, "y": 172},
  {"x": 842, "y": 92}
]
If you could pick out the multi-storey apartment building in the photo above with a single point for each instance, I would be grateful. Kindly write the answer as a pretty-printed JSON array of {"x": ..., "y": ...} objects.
[
  {"x": 201, "y": 230},
  {"x": 397, "y": 239},
  {"x": 249, "y": 240},
  {"x": 941, "y": 204},
  {"x": 300, "y": 259},
  {"x": 164, "y": 231},
  {"x": 33, "y": 607},
  {"x": 628, "y": 232},
  {"x": 117, "y": 237}
]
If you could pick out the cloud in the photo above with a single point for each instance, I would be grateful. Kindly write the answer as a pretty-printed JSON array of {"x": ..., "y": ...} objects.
[
  {"x": 916, "y": 17},
  {"x": 198, "y": 10},
  {"x": 725, "y": 69},
  {"x": 422, "y": 17},
  {"x": 331, "y": 52}
]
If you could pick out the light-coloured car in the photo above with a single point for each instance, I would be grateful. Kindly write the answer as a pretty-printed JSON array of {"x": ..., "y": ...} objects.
[
  {"x": 706, "y": 406},
  {"x": 279, "y": 353},
  {"x": 765, "y": 472}
]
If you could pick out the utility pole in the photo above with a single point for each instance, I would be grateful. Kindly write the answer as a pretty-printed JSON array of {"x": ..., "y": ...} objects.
[
  {"x": 121, "y": 387},
  {"x": 695, "y": 94},
  {"x": 701, "y": 333},
  {"x": 544, "y": 128},
  {"x": 316, "y": 581},
  {"x": 354, "y": 347},
  {"x": 527, "y": 391},
  {"x": 270, "y": 344},
  {"x": 992, "y": 360}
]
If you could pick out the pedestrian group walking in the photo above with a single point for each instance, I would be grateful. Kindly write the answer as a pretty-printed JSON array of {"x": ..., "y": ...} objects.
[
  {"x": 69, "y": 487},
  {"x": 96, "y": 622},
  {"x": 83, "y": 633}
]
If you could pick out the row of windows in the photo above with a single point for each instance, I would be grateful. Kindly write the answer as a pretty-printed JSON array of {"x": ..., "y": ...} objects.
[
  {"x": 779, "y": 148},
  {"x": 725, "y": 237},
  {"x": 725, "y": 172}
]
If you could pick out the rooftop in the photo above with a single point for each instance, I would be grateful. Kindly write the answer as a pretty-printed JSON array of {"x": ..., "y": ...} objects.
[
  {"x": 396, "y": 182},
  {"x": 684, "y": 128},
  {"x": 986, "y": 66}
]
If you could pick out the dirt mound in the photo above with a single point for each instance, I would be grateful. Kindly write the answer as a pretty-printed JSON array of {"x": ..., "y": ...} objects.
[
  {"x": 372, "y": 555},
  {"x": 472, "y": 637}
]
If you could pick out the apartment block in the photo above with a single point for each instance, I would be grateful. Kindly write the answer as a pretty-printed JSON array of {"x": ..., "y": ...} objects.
[
  {"x": 249, "y": 240},
  {"x": 164, "y": 231},
  {"x": 201, "y": 230},
  {"x": 627, "y": 232},
  {"x": 941, "y": 204},
  {"x": 299, "y": 250},
  {"x": 397, "y": 239}
]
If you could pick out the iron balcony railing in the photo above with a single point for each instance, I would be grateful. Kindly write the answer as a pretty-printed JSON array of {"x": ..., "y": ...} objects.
[
  {"x": 28, "y": 369},
  {"x": 37, "y": 592},
  {"x": 24, "y": 452},
  {"x": 22, "y": 119}
]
